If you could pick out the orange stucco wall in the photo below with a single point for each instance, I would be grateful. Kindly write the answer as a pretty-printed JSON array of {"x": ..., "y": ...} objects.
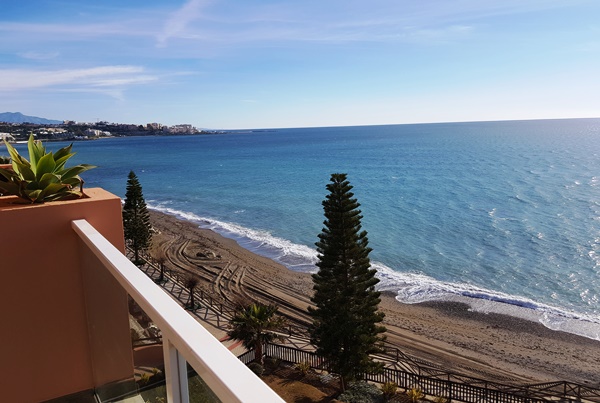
[{"x": 53, "y": 321}]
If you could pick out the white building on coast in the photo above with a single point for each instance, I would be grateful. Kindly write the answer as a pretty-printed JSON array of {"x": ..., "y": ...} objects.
[{"x": 7, "y": 137}]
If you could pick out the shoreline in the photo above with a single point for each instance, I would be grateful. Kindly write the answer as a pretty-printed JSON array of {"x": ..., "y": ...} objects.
[
  {"x": 484, "y": 345},
  {"x": 301, "y": 260}
]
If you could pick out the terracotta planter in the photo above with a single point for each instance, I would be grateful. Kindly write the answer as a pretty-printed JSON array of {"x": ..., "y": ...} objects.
[{"x": 59, "y": 290}]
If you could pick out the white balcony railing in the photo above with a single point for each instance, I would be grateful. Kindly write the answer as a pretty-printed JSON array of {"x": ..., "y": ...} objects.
[{"x": 184, "y": 339}]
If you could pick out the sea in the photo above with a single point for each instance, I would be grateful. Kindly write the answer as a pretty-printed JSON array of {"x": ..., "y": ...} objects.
[{"x": 504, "y": 216}]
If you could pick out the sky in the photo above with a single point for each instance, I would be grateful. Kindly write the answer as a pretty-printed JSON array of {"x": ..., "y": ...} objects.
[{"x": 300, "y": 63}]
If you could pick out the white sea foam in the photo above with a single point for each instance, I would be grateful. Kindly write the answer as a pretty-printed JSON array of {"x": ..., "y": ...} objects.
[
  {"x": 294, "y": 256},
  {"x": 410, "y": 287},
  {"x": 413, "y": 288}
]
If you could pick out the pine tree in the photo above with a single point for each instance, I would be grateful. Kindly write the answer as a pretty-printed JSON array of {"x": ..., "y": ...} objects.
[
  {"x": 346, "y": 318},
  {"x": 136, "y": 220}
]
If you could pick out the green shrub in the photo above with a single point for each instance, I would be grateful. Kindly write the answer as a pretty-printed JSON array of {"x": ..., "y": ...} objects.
[
  {"x": 303, "y": 367},
  {"x": 415, "y": 394},
  {"x": 256, "y": 368},
  {"x": 272, "y": 362},
  {"x": 144, "y": 379},
  {"x": 440, "y": 399},
  {"x": 361, "y": 392},
  {"x": 389, "y": 390}
]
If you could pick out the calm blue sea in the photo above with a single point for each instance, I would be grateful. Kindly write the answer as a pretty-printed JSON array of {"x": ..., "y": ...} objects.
[{"x": 503, "y": 215}]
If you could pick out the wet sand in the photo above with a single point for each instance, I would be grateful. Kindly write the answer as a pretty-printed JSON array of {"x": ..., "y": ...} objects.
[{"x": 490, "y": 346}]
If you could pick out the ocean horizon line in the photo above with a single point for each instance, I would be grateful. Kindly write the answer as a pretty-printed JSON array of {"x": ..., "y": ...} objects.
[{"x": 367, "y": 125}]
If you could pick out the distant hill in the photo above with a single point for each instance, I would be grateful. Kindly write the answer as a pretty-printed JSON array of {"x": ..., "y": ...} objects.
[{"x": 18, "y": 117}]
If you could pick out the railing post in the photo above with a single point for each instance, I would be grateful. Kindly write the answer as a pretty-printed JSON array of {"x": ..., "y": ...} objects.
[{"x": 175, "y": 374}]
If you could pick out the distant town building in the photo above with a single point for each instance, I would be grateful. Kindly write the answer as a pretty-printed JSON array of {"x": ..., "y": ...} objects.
[
  {"x": 181, "y": 129},
  {"x": 7, "y": 137},
  {"x": 96, "y": 133},
  {"x": 52, "y": 133},
  {"x": 154, "y": 126}
]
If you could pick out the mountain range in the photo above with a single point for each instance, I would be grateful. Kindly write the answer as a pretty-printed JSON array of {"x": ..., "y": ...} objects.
[{"x": 18, "y": 117}]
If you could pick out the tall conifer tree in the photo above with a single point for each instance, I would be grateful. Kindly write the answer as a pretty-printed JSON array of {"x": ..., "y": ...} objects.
[
  {"x": 346, "y": 318},
  {"x": 136, "y": 220}
]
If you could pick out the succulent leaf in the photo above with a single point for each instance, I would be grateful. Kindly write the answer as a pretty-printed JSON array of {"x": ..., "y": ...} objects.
[
  {"x": 54, "y": 189},
  {"x": 64, "y": 152},
  {"x": 7, "y": 174},
  {"x": 60, "y": 161},
  {"x": 36, "y": 151},
  {"x": 75, "y": 171},
  {"x": 74, "y": 183},
  {"x": 33, "y": 195},
  {"x": 45, "y": 165},
  {"x": 14, "y": 154},
  {"x": 24, "y": 171},
  {"x": 10, "y": 188},
  {"x": 47, "y": 179}
]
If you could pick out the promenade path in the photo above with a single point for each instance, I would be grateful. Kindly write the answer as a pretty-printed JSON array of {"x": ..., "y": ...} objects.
[{"x": 213, "y": 316}]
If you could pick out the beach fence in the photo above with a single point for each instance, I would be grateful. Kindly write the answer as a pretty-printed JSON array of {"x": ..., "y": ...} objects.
[
  {"x": 407, "y": 372},
  {"x": 468, "y": 390}
]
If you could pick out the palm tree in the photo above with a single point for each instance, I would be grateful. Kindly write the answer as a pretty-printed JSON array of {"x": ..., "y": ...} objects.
[
  {"x": 254, "y": 325},
  {"x": 161, "y": 258},
  {"x": 191, "y": 282}
]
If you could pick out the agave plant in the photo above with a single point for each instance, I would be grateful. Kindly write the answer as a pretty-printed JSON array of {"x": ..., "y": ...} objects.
[{"x": 44, "y": 177}]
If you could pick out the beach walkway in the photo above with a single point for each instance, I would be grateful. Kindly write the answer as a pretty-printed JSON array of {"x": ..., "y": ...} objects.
[{"x": 213, "y": 315}]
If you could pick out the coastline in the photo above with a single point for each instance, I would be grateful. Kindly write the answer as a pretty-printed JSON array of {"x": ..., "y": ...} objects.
[{"x": 484, "y": 345}]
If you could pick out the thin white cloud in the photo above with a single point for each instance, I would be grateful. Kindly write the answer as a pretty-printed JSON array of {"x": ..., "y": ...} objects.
[
  {"x": 39, "y": 55},
  {"x": 123, "y": 81},
  {"x": 75, "y": 32},
  {"x": 103, "y": 76},
  {"x": 177, "y": 23},
  {"x": 339, "y": 22},
  {"x": 240, "y": 24},
  {"x": 116, "y": 93}
]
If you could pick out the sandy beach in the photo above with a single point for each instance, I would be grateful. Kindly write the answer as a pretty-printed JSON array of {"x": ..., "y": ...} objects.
[{"x": 490, "y": 346}]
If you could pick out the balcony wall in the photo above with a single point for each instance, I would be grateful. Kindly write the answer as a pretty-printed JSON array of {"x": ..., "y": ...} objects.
[{"x": 65, "y": 319}]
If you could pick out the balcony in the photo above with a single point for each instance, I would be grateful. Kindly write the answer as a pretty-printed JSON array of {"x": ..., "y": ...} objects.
[{"x": 64, "y": 304}]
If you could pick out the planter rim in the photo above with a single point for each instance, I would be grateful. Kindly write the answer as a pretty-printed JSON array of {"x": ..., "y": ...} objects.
[{"x": 91, "y": 194}]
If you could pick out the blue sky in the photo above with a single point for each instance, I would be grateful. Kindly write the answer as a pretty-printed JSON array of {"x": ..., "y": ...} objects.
[{"x": 259, "y": 64}]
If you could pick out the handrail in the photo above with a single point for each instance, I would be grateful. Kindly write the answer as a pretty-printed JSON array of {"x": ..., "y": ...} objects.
[{"x": 228, "y": 378}]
